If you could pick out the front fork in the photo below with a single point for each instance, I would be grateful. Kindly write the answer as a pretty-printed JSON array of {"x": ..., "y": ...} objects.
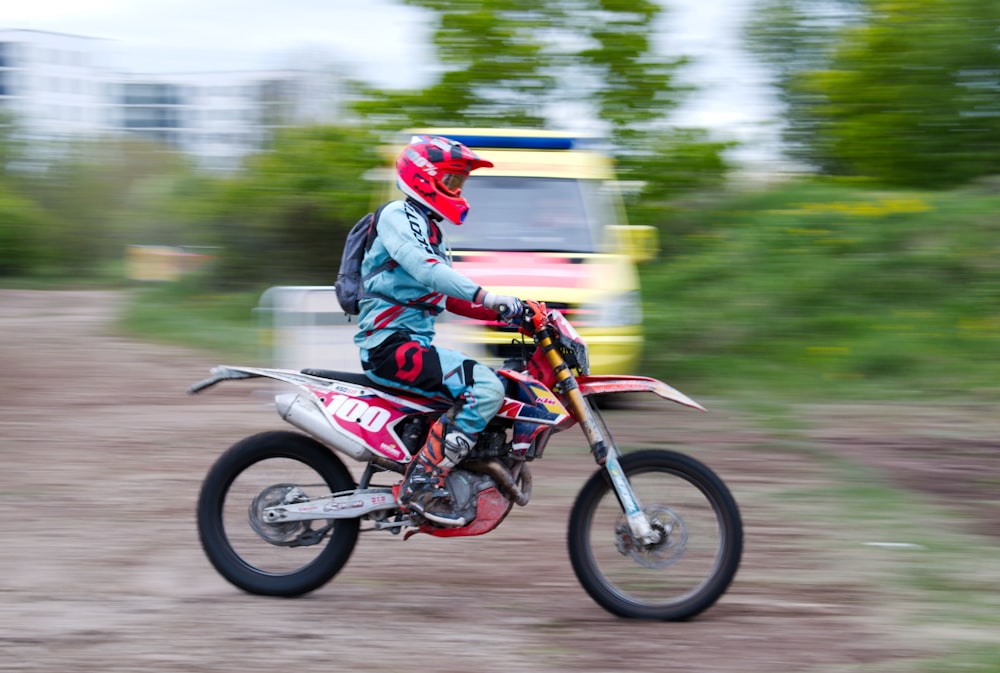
[{"x": 605, "y": 451}]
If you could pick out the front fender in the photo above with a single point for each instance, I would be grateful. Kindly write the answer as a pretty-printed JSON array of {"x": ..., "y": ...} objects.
[{"x": 609, "y": 384}]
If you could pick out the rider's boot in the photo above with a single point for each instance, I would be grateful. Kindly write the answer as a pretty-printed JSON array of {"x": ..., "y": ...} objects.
[{"x": 423, "y": 490}]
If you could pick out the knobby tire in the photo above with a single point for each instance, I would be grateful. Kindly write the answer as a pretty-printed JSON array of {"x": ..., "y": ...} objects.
[{"x": 211, "y": 525}]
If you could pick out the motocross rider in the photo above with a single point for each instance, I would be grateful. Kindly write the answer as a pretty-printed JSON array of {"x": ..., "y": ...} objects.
[{"x": 408, "y": 281}]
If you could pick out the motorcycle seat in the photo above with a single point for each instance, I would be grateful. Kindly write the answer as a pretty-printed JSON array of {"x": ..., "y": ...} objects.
[{"x": 351, "y": 377}]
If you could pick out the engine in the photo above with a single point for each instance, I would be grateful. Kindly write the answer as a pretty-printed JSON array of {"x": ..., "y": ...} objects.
[
  {"x": 477, "y": 498},
  {"x": 465, "y": 488},
  {"x": 483, "y": 487}
]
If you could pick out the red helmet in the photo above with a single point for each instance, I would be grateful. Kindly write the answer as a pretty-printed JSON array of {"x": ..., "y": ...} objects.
[{"x": 432, "y": 170}]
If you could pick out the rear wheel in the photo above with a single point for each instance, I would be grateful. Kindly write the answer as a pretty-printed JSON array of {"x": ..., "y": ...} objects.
[
  {"x": 274, "y": 559},
  {"x": 687, "y": 569}
]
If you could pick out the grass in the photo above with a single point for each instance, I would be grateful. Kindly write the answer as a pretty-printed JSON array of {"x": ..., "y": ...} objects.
[
  {"x": 185, "y": 314},
  {"x": 827, "y": 290},
  {"x": 942, "y": 594},
  {"x": 973, "y": 659}
]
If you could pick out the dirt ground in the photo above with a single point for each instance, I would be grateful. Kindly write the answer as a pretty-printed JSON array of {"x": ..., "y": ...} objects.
[{"x": 101, "y": 570}]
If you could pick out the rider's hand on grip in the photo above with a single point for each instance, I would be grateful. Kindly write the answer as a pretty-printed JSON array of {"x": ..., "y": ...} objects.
[
  {"x": 508, "y": 308},
  {"x": 511, "y": 310}
]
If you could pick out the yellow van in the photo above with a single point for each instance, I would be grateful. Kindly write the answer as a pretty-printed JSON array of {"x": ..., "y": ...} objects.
[{"x": 546, "y": 223}]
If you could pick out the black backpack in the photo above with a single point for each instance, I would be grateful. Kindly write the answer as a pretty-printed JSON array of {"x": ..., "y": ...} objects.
[{"x": 349, "y": 285}]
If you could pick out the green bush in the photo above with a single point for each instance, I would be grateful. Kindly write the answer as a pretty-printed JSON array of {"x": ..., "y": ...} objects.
[
  {"x": 833, "y": 287},
  {"x": 21, "y": 225}
]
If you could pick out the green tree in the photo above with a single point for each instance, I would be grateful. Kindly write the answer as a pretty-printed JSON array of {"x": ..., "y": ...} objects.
[
  {"x": 794, "y": 38},
  {"x": 506, "y": 62},
  {"x": 675, "y": 162},
  {"x": 912, "y": 96},
  {"x": 10, "y": 146},
  {"x": 22, "y": 221},
  {"x": 635, "y": 86},
  {"x": 513, "y": 63},
  {"x": 634, "y": 91},
  {"x": 85, "y": 191},
  {"x": 903, "y": 91},
  {"x": 494, "y": 68},
  {"x": 285, "y": 217},
  {"x": 22, "y": 251}
]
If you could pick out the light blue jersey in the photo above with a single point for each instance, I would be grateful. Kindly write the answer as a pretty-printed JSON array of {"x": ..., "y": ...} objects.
[
  {"x": 408, "y": 281},
  {"x": 408, "y": 294}
]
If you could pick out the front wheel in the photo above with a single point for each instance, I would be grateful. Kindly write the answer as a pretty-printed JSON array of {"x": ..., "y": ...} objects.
[
  {"x": 274, "y": 559},
  {"x": 696, "y": 557}
]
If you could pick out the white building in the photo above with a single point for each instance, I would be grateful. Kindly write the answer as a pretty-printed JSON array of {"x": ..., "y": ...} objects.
[
  {"x": 220, "y": 117},
  {"x": 58, "y": 87},
  {"x": 54, "y": 84}
]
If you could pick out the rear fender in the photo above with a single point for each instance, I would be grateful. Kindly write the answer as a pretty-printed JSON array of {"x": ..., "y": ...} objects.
[
  {"x": 230, "y": 373},
  {"x": 346, "y": 416},
  {"x": 611, "y": 384}
]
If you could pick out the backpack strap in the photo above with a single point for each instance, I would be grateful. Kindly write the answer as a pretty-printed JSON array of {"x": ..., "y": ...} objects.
[{"x": 369, "y": 241}]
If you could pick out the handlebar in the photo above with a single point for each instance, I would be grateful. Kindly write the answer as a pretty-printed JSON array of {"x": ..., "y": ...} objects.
[
  {"x": 531, "y": 318},
  {"x": 533, "y": 315}
]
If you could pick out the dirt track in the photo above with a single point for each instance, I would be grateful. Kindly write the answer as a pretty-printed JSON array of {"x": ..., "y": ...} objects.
[{"x": 103, "y": 454}]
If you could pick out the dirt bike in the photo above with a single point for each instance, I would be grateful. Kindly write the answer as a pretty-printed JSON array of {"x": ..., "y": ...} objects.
[{"x": 653, "y": 534}]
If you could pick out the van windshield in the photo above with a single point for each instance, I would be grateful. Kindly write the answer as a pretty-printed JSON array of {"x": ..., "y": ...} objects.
[{"x": 525, "y": 213}]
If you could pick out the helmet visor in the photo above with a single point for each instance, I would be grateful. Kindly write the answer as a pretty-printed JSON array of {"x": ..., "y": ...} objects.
[{"x": 452, "y": 183}]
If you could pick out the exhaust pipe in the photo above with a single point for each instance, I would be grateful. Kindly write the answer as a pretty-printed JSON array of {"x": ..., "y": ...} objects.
[
  {"x": 520, "y": 495},
  {"x": 306, "y": 416}
]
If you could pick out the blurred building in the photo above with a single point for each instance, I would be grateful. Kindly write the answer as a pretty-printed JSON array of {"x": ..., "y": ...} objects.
[
  {"x": 53, "y": 84},
  {"x": 59, "y": 87},
  {"x": 220, "y": 117}
]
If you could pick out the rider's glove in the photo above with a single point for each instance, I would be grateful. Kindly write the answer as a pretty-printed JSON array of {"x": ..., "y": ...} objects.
[
  {"x": 511, "y": 310},
  {"x": 508, "y": 308}
]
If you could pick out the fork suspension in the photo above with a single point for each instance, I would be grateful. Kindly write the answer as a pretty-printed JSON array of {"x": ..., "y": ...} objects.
[{"x": 605, "y": 452}]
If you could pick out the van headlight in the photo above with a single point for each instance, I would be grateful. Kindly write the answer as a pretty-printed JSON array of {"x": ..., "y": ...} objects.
[{"x": 618, "y": 310}]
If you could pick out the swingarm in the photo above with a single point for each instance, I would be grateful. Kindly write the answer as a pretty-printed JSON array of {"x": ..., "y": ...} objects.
[{"x": 345, "y": 505}]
